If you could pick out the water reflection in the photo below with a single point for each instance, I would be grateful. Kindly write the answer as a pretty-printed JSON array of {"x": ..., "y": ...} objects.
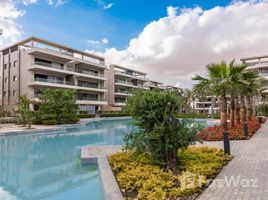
[{"x": 46, "y": 165}]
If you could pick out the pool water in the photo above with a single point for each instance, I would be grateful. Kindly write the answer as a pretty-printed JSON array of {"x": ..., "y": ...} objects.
[{"x": 46, "y": 165}]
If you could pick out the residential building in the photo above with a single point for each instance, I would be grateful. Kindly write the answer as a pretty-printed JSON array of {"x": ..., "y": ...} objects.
[
  {"x": 258, "y": 64},
  {"x": 34, "y": 64},
  {"x": 154, "y": 85},
  {"x": 206, "y": 105},
  {"x": 120, "y": 82}
]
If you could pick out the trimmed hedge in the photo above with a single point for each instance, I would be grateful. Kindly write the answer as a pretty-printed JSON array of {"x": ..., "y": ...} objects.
[
  {"x": 84, "y": 115},
  {"x": 140, "y": 178},
  {"x": 193, "y": 115},
  {"x": 113, "y": 114},
  {"x": 9, "y": 120},
  {"x": 51, "y": 119}
]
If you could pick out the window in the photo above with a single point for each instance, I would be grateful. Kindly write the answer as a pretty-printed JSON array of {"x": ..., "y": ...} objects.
[
  {"x": 5, "y": 93},
  {"x": 6, "y": 80},
  {"x": 14, "y": 92},
  {"x": 5, "y": 66},
  {"x": 14, "y": 78},
  {"x": 14, "y": 63}
]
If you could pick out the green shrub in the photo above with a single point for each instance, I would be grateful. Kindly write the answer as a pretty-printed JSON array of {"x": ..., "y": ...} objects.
[
  {"x": 161, "y": 134},
  {"x": 9, "y": 120},
  {"x": 192, "y": 115},
  {"x": 217, "y": 116},
  {"x": 50, "y": 122},
  {"x": 140, "y": 178},
  {"x": 85, "y": 115},
  {"x": 113, "y": 113}
]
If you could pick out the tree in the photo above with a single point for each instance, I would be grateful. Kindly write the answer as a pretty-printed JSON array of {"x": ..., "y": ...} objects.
[
  {"x": 26, "y": 114},
  {"x": 221, "y": 76},
  {"x": 250, "y": 86},
  {"x": 58, "y": 103},
  {"x": 186, "y": 96},
  {"x": 160, "y": 133}
]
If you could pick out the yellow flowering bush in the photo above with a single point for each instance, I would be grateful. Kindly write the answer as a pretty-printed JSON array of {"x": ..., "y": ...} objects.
[{"x": 140, "y": 178}]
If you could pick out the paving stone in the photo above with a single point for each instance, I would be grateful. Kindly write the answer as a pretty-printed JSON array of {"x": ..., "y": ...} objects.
[{"x": 248, "y": 167}]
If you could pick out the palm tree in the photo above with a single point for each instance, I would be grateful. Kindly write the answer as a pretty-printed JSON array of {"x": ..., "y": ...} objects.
[
  {"x": 237, "y": 110},
  {"x": 251, "y": 86},
  {"x": 221, "y": 77}
]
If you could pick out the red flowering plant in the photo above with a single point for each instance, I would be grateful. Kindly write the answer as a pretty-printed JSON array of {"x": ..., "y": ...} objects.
[{"x": 215, "y": 133}]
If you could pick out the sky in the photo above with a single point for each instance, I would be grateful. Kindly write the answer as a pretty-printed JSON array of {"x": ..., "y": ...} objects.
[{"x": 171, "y": 40}]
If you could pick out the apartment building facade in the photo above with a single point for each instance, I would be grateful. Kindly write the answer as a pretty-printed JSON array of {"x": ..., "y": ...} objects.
[
  {"x": 207, "y": 105},
  {"x": 34, "y": 64},
  {"x": 120, "y": 82},
  {"x": 258, "y": 64}
]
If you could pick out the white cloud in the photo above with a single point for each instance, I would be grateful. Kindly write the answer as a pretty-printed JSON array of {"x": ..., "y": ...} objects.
[
  {"x": 98, "y": 42},
  {"x": 172, "y": 11},
  {"x": 56, "y": 2},
  {"x": 104, "y": 5},
  {"x": 108, "y": 6},
  {"x": 174, "y": 48},
  {"x": 93, "y": 41},
  {"x": 27, "y": 2},
  {"x": 105, "y": 41},
  {"x": 50, "y": 2},
  {"x": 8, "y": 15}
]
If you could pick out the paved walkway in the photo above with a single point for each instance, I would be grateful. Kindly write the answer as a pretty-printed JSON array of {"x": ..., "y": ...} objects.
[{"x": 246, "y": 176}]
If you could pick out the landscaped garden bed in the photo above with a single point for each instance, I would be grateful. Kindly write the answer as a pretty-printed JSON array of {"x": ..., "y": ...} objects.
[
  {"x": 215, "y": 133},
  {"x": 140, "y": 178}
]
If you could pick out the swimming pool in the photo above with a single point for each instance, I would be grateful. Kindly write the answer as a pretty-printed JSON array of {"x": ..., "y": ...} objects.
[{"x": 46, "y": 165}]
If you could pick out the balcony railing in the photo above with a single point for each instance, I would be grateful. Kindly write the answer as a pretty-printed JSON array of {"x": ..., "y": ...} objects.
[
  {"x": 62, "y": 82},
  {"x": 121, "y": 91},
  {"x": 52, "y": 65},
  {"x": 71, "y": 69},
  {"x": 89, "y": 98},
  {"x": 56, "y": 81},
  {"x": 128, "y": 83},
  {"x": 81, "y": 71}
]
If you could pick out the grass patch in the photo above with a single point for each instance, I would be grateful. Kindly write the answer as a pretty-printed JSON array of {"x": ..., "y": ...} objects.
[{"x": 139, "y": 177}]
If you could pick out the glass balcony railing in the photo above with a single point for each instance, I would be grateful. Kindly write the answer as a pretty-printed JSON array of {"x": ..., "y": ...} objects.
[
  {"x": 124, "y": 82},
  {"x": 52, "y": 65},
  {"x": 56, "y": 81},
  {"x": 121, "y": 91},
  {"x": 81, "y": 71},
  {"x": 62, "y": 82},
  {"x": 71, "y": 69},
  {"x": 89, "y": 98}
]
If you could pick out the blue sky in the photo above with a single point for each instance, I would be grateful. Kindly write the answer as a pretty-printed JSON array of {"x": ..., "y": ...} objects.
[
  {"x": 75, "y": 22},
  {"x": 170, "y": 40}
]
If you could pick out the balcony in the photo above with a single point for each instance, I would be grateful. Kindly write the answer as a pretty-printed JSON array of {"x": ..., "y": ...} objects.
[
  {"x": 63, "y": 84},
  {"x": 66, "y": 56},
  {"x": 82, "y": 71},
  {"x": 68, "y": 71},
  {"x": 90, "y": 100},
  {"x": 127, "y": 84},
  {"x": 130, "y": 75},
  {"x": 122, "y": 93},
  {"x": 52, "y": 65}
]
